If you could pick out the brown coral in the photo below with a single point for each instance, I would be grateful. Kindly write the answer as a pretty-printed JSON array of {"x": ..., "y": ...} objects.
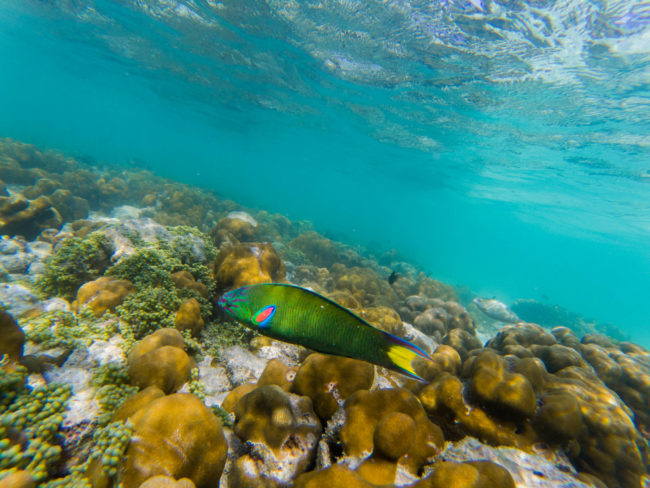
[
  {"x": 247, "y": 265},
  {"x": 159, "y": 360},
  {"x": 365, "y": 410},
  {"x": 12, "y": 337},
  {"x": 502, "y": 392},
  {"x": 19, "y": 216},
  {"x": 282, "y": 431},
  {"x": 176, "y": 436},
  {"x": 329, "y": 380},
  {"x": 184, "y": 280},
  {"x": 103, "y": 294},
  {"x": 188, "y": 317}
]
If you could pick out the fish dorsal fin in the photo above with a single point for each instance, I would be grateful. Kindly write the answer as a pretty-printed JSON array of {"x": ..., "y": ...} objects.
[{"x": 264, "y": 316}]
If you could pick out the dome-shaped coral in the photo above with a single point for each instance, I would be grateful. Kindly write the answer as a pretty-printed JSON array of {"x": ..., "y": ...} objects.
[
  {"x": 103, "y": 294},
  {"x": 176, "y": 436},
  {"x": 159, "y": 360},
  {"x": 247, "y": 265},
  {"x": 365, "y": 410},
  {"x": 329, "y": 380}
]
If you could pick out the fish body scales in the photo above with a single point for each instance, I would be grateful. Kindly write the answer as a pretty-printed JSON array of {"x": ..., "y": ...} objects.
[{"x": 308, "y": 319}]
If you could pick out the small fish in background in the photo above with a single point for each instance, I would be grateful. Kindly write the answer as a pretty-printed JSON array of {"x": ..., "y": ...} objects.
[
  {"x": 293, "y": 314},
  {"x": 496, "y": 310},
  {"x": 393, "y": 277}
]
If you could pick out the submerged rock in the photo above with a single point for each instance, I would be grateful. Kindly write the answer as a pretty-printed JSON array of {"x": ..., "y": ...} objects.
[{"x": 527, "y": 469}]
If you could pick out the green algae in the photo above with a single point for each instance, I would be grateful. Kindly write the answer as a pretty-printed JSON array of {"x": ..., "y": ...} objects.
[
  {"x": 227, "y": 419},
  {"x": 75, "y": 479},
  {"x": 192, "y": 346},
  {"x": 75, "y": 261},
  {"x": 157, "y": 299}
]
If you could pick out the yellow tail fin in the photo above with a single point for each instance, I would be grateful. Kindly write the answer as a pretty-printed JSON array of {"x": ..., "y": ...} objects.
[{"x": 402, "y": 356}]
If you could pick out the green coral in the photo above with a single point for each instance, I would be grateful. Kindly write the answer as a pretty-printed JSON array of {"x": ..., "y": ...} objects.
[
  {"x": 227, "y": 419},
  {"x": 291, "y": 254},
  {"x": 224, "y": 334},
  {"x": 12, "y": 383},
  {"x": 149, "y": 309},
  {"x": 146, "y": 267},
  {"x": 196, "y": 387},
  {"x": 112, "y": 381},
  {"x": 157, "y": 300},
  {"x": 55, "y": 329},
  {"x": 110, "y": 443},
  {"x": 110, "y": 374},
  {"x": 75, "y": 261},
  {"x": 75, "y": 479},
  {"x": 29, "y": 423},
  {"x": 64, "y": 329},
  {"x": 192, "y": 346}
]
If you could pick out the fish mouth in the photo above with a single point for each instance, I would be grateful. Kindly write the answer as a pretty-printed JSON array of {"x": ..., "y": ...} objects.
[{"x": 223, "y": 304}]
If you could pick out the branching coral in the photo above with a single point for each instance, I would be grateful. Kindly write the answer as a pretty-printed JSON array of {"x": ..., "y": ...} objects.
[
  {"x": 149, "y": 309},
  {"x": 65, "y": 330},
  {"x": 75, "y": 261},
  {"x": 112, "y": 381},
  {"x": 157, "y": 298},
  {"x": 197, "y": 388},
  {"x": 29, "y": 422},
  {"x": 110, "y": 443}
]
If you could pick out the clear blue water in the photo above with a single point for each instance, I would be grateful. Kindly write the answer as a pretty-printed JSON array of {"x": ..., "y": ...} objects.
[{"x": 503, "y": 145}]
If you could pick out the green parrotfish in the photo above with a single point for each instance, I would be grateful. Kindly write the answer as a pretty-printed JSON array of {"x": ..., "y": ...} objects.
[{"x": 293, "y": 314}]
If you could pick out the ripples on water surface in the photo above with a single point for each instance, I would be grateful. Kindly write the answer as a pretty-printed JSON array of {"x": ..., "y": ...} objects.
[{"x": 504, "y": 145}]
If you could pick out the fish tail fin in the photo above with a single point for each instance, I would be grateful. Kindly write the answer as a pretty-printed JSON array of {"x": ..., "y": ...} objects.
[{"x": 402, "y": 353}]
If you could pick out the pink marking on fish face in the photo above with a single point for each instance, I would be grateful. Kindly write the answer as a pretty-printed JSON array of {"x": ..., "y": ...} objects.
[{"x": 236, "y": 304}]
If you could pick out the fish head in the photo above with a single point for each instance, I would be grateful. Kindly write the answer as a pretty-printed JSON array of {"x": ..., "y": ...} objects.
[{"x": 236, "y": 303}]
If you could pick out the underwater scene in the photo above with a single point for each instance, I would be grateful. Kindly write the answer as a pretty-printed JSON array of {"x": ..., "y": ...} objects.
[{"x": 336, "y": 243}]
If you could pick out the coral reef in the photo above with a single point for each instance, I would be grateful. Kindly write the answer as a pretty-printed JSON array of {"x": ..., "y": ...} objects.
[
  {"x": 174, "y": 435},
  {"x": 138, "y": 382},
  {"x": 29, "y": 423},
  {"x": 366, "y": 411}
]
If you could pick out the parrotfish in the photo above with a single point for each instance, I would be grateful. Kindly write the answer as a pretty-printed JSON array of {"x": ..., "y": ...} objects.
[
  {"x": 496, "y": 310},
  {"x": 293, "y": 314}
]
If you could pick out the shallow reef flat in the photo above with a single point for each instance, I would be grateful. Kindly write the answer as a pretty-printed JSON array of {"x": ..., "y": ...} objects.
[{"x": 118, "y": 368}]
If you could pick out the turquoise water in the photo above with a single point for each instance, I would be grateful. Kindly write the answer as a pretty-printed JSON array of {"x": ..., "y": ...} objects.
[{"x": 504, "y": 146}]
